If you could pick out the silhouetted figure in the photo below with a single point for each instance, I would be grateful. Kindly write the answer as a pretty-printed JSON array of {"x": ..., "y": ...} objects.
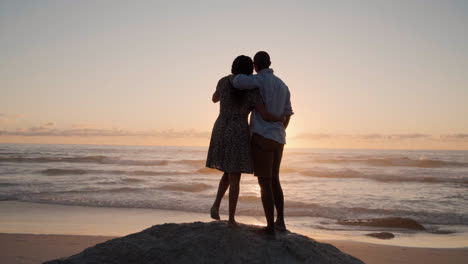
[
  {"x": 268, "y": 137},
  {"x": 230, "y": 149}
]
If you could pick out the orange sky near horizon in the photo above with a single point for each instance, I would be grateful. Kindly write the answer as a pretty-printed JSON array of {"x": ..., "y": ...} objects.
[
  {"x": 421, "y": 142},
  {"x": 366, "y": 74}
]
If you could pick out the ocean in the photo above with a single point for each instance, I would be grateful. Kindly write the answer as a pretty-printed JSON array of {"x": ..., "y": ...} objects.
[{"x": 321, "y": 186}]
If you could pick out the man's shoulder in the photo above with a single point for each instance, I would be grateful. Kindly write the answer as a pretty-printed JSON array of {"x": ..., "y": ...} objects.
[{"x": 279, "y": 82}]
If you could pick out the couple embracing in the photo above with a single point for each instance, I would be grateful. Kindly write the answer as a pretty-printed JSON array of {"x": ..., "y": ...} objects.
[{"x": 236, "y": 147}]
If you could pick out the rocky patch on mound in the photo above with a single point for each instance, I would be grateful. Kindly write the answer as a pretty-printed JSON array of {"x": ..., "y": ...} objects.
[{"x": 381, "y": 235}]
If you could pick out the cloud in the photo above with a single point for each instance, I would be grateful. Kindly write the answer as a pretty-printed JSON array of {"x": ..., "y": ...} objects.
[
  {"x": 16, "y": 116},
  {"x": 313, "y": 136},
  {"x": 455, "y": 137},
  {"x": 411, "y": 136},
  {"x": 371, "y": 137},
  {"x": 381, "y": 137},
  {"x": 11, "y": 116},
  {"x": 49, "y": 129},
  {"x": 8, "y": 118},
  {"x": 391, "y": 136},
  {"x": 3, "y": 118},
  {"x": 84, "y": 125}
]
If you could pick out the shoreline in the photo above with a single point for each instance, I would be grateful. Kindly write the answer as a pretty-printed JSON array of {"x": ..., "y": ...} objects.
[
  {"x": 36, "y": 232},
  {"x": 45, "y": 218}
]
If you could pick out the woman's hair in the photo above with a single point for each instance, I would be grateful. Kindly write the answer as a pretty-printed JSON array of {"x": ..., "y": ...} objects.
[{"x": 242, "y": 65}]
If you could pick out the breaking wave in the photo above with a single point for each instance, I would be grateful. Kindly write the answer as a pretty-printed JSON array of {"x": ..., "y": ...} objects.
[
  {"x": 299, "y": 209},
  {"x": 209, "y": 171},
  {"x": 317, "y": 173},
  {"x": 348, "y": 174},
  {"x": 196, "y": 163},
  {"x": 8, "y": 184},
  {"x": 86, "y": 159},
  {"x": 197, "y": 187},
  {"x": 101, "y": 160},
  {"x": 249, "y": 198},
  {"x": 399, "y": 161},
  {"x": 60, "y": 172},
  {"x": 132, "y": 180},
  {"x": 379, "y": 162},
  {"x": 250, "y": 205}
]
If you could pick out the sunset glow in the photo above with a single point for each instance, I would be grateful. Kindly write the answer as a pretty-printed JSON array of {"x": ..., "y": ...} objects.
[{"x": 374, "y": 75}]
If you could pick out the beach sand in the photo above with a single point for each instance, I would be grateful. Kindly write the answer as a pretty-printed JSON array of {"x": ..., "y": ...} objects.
[
  {"x": 33, "y": 233},
  {"x": 24, "y": 248}
]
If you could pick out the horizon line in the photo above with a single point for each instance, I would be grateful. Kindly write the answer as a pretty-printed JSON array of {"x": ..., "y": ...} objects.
[{"x": 132, "y": 145}]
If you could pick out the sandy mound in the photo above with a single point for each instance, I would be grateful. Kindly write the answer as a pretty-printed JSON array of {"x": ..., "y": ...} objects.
[{"x": 213, "y": 242}]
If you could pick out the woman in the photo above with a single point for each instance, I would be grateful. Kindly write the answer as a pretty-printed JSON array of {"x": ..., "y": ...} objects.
[{"x": 230, "y": 149}]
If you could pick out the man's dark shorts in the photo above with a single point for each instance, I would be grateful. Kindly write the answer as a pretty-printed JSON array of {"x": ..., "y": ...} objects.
[{"x": 267, "y": 156}]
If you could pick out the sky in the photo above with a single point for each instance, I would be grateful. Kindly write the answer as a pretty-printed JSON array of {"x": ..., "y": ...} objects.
[{"x": 362, "y": 74}]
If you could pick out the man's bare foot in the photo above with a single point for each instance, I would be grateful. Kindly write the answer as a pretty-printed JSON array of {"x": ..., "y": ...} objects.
[
  {"x": 232, "y": 223},
  {"x": 214, "y": 213},
  {"x": 280, "y": 226},
  {"x": 266, "y": 231}
]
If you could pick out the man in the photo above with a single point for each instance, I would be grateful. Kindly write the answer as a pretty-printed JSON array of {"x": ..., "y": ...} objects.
[{"x": 268, "y": 138}]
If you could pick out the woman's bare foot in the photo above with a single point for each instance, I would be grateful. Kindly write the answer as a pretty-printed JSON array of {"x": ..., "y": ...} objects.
[
  {"x": 214, "y": 213},
  {"x": 280, "y": 226}
]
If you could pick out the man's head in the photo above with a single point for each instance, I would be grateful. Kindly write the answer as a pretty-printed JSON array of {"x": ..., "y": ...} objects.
[{"x": 261, "y": 61}]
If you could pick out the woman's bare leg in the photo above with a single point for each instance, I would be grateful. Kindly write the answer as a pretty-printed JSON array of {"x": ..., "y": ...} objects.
[
  {"x": 234, "y": 179},
  {"x": 222, "y": 188}
]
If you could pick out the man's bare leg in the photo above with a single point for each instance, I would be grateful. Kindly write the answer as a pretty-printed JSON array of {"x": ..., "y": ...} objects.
[
  {"x": 268, "y": 203},
  {"x": 278, "y": 191},
  {"x": 279, "y": 204}
]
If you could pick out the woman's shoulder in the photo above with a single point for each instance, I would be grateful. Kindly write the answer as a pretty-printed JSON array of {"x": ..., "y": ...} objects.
[
  {"x": 223, "y": 82},
  {"x": 224, "y": 79}
]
